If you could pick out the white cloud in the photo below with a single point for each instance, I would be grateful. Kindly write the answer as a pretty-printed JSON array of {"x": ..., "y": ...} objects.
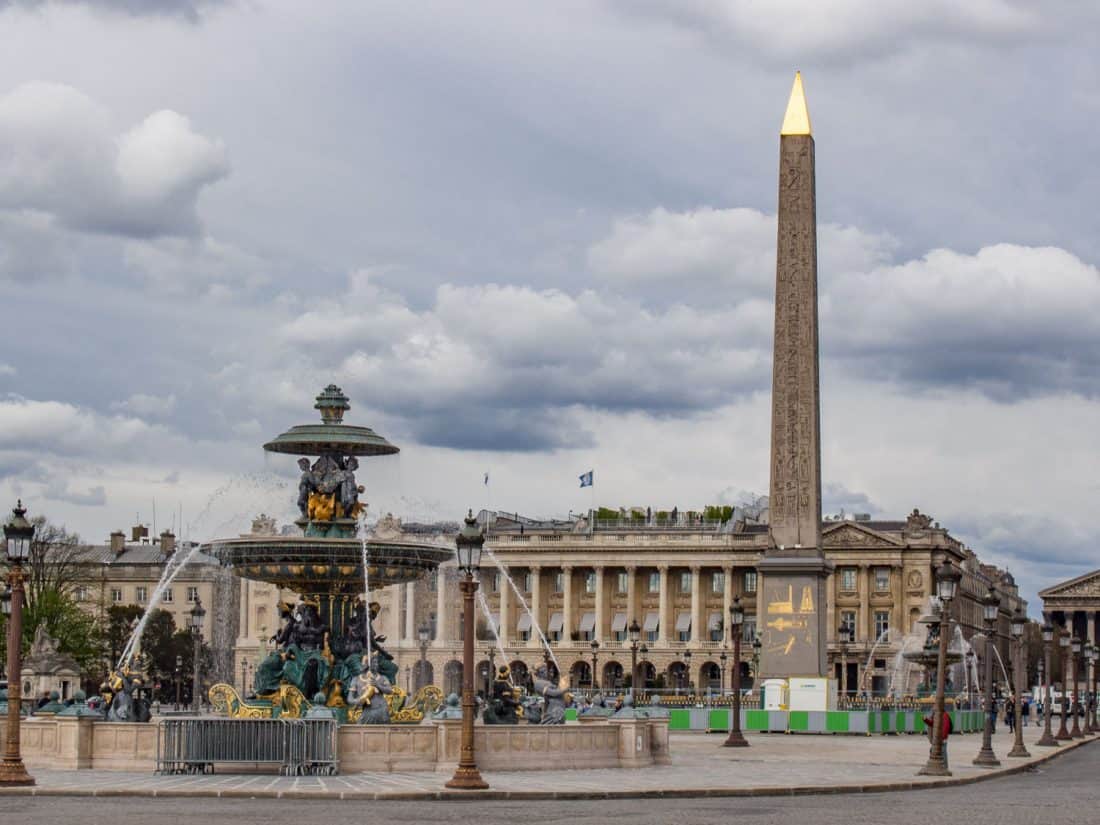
[{"x": 63, "y": 159}]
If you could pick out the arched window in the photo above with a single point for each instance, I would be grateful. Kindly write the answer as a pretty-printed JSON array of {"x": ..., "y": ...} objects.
[{"x": 452, "y": 677}]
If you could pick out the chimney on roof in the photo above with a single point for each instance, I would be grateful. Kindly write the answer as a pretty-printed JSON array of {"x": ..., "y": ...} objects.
[
  {"x": 139, "y": 532},
  {"x": 118, "y": 542},
  {"x": 167, "y": 543}
]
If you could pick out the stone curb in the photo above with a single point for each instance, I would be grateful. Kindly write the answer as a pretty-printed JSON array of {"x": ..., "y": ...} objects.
[{"x": 491, "y": 794}]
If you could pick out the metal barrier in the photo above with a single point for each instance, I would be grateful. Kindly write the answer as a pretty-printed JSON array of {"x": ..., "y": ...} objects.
[{"x": 297, "y": 746}]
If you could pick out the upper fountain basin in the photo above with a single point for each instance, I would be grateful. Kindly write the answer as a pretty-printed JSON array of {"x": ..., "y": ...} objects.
[{"x": 308, "y": 564}]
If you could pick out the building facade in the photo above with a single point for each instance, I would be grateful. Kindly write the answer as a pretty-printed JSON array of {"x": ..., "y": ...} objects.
[
  {"x": 584, "y": 582},
  {"x": 1074, "y": 605}
]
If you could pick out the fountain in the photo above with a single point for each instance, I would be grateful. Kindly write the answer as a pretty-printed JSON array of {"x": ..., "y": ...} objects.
[
  {"x": 327, "y": 641},
  {"x": 924, "y": 654}
]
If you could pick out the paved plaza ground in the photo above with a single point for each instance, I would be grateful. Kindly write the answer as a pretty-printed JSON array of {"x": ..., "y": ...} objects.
[
  {"x": 775, "y": 764},
  {"x": 1064, "y": 791}
]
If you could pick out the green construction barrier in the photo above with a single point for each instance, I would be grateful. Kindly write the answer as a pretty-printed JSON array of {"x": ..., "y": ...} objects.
[
  {"x": 798, "y": 721},
  {"x": 836, "y": 721},
  {"x": 718, "y": 720},
  {"x": 679, "y": 719},
  {"x": 756, "y": 720},
  {"x": 570, "y": 714}
]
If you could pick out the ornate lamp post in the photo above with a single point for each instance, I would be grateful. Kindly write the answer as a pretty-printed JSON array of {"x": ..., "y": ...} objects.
[
  {"x": 947, "y": 582},
  {"x": 595, "y": 645},
  {"x": 644, "y": 651},
  {"x": 1019, "y": 622},
  {"x": 722, "y": 673},
  {"x": 468, "y": 546},
  {"x": 492, "y": 672},
  {"x": 1094, "y": 655},
  {"x": 177, "y": 675},
  {"x": 687, "y": 670},
  {"x": 844, "y": 634},
  {"x": 969, "y": 659},
  {"x": 737, "y": 620},
  {"x": 198, "y": 615},
  {"x": 1064, "y": 643},
  {"x": 991, "y": 606},
  {"x": 635, "y": 632},
  {"x": 18, "y": 534},
  {"x": 424, "y": 633},
  {"x": 1047, "y": 740},
  {"x": 1075, "y": 733},
  {"x": 1089, "y": 655}
]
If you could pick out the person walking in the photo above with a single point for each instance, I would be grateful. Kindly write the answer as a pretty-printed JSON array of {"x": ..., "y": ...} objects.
[
  {"x": 1025, "y": 711},
  {"x": 1010, "y": 713},
  {"x": 947, "y": 728}
]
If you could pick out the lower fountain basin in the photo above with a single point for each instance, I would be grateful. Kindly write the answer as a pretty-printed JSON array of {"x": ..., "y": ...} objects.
[{"x": 327, "y": 565}]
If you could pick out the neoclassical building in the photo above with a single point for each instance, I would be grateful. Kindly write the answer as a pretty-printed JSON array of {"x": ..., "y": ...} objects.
[
  {"x": 1075, "y": 605},
  {"x": 585, "y": 581}
]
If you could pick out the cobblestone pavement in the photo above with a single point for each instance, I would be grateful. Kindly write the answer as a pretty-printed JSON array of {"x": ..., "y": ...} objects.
[
  {"x": 773, "y": 764},
  {"x": 1064, "y": 791}
]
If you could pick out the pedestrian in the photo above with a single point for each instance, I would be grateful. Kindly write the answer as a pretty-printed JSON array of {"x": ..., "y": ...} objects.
[
  {"x": 1010, "y": 714},
  {"x": 945, "y": 731},
  {"x": 1025, "y": 711}
]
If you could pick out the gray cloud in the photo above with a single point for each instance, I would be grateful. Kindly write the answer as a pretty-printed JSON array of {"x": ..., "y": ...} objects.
[
  {"x": 192, "y": 10},
  {"x": 92, "y": 497}
]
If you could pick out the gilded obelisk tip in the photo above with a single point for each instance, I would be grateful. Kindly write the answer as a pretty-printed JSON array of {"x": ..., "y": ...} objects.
[{"x": 797, "y": 119}]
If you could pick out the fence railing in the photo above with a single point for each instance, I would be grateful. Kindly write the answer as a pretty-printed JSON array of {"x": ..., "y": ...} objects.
[{"x": 297, "y": 746}]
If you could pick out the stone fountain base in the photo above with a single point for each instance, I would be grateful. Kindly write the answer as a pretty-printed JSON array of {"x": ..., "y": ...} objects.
[{"x": 74, "y": 743}]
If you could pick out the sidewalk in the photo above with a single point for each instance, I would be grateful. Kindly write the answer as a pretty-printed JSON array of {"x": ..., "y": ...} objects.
[{"x": 773, "y": 765}]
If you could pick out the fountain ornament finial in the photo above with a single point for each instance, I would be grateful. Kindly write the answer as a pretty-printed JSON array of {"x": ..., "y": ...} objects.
[{"x": 332, "y": 403}]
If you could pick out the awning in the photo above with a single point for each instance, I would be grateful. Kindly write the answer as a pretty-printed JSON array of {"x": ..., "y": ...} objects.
[
  {"x": 524, "y": 623},
  {"x": 715, "y": 621},
  {"x": 556, "y": 622},
  {"x": 618, "y": 623},
  {"x": 588, "y": 622},
  {"x": 652, "y": 620},
  {"x": 683, "y": 621}
]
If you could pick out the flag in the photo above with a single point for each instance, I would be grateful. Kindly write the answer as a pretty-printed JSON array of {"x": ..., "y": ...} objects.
[
  {"x": 486, "y": 478},
  {"x": 586, "y": 479}
]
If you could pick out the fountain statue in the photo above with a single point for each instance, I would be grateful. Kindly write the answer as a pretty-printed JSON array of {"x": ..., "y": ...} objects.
[
  {"x": 502, "y": 708},
  {"x": 555, "y": 696},
  {"x": 326, "y": 643},
  {"x": 921, "y": 650}
]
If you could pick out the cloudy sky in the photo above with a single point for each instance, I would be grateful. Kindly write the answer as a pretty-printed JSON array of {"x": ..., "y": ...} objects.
[{"x": 537, "y": 239}]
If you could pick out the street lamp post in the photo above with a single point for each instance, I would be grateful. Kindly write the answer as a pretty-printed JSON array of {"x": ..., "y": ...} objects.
[
  {"x": 178, "y": 676},
  {"x": 424, "y": 633},
  {"x": 1063, "y": 728},
  {"x": 1019, "y": 622},
  {"x": 408, "y": 679},
  {"x": 492, "y": 671},
  {"x": 644, "y": 651},
  {"x": 635, "y": 632},
  {"x": 1094, "y": 656},
  {"x": 736, "y": 739},
  {"x": 1076, "y": 733},
  {"x": 468, "y": 547},
  {"x": 969, "y": 659},
  {"x": 1087, "y": 655},
  {"x": 18, "y": 535},
  {"x": 947, "y": 581},
  {"x": 687, "y": 671},
  {"x": 1047, "y": 740},
  {"x": 845, "y": 636},
  {"x": 198, "y": 614},
  {"x": 991, "y": 605},
  {"x": 722, "y": 673},
  {"x": 595, "y": 645}
]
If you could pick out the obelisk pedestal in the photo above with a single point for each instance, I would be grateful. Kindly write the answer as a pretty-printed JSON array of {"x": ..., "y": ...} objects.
[{"x": 794, "y": 570}]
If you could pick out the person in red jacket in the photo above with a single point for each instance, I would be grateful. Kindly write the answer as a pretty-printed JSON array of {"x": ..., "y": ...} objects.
[{"x": 946, "y": 730}]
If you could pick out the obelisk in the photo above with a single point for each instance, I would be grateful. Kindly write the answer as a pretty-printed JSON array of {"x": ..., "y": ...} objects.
[{"x": 793, "y": 570}]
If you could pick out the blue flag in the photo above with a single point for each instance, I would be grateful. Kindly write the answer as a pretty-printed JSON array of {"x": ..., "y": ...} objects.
[{"x": 586, "y": 479}]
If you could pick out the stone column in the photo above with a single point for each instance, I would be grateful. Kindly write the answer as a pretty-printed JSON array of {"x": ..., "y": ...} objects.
[
  {"x": 662, "y": 606},
  {"x": 567, "y": 604},
  {"x": 442, "y": 605},
  {"x": 863, "y": 617},
  {"x": 632, "y": 596},
  {"x": 600, "y": 633},
  {"x": 727, "y": 602},
  {"x": 395, "y": 627},
  {"x": 410, "y": 613},
  {"x": 505, "y": 602},
  {"x": 696, "y": 601},
  {"x": 536, "y": 605},
  {"x": 897, "y": 588}
]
